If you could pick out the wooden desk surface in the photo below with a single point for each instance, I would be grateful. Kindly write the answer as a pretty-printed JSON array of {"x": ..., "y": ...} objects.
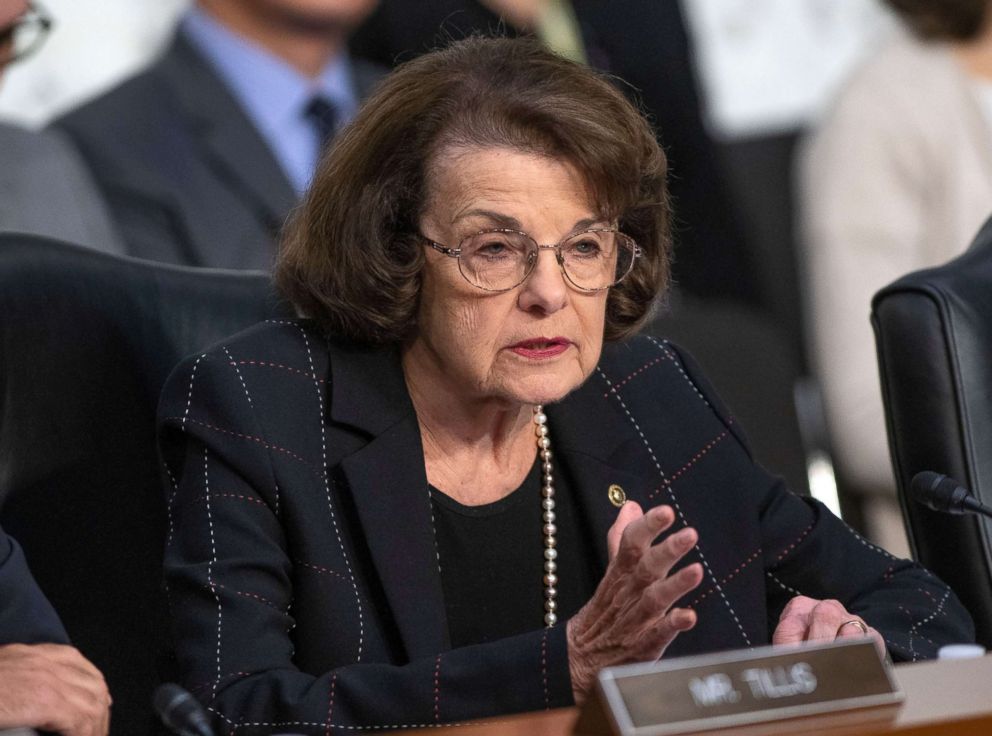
[{"x": 945, "y": 698}]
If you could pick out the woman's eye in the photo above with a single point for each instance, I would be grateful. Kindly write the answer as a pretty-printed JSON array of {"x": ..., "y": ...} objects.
[
  {"x": 492, "y": 248},
  {"x": 586, "y": 247}
]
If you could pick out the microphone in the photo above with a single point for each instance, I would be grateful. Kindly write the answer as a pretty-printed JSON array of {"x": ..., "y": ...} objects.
[
  {"x": 180, "y": 711},
  {"x": 941, "y": 493}
]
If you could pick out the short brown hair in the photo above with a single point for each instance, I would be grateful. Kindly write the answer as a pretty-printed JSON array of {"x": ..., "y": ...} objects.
[
  {"x": 943, "y": 20},
  {"x": 351, "y": 256}
]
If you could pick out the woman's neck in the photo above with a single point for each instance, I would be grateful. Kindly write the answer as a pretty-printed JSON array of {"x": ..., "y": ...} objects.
[{"x": 475, "y": 450}]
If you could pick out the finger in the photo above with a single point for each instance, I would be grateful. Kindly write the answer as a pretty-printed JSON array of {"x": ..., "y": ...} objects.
[
  {"x": 68, "y": 656},
  {"x": 104, "y": 729},
  {"x": 850, "y": 632},
  {"x": 794, "y": 621},
  {"x": 656, "y": 599},
  {"x": 77, "y": 712},
  {"x": 825, "y": 620},
  {"x": 90, "y": 684},
  {"x": 640, "y": 533},
  {"x": 658, "y": 561},
  {"x": 59, "y": 665},
  {"x": 665, "y": 632},
  {"x": 800, "y": 604},
  {"x": 792, "y": 628},
  {"x": 630, "y": 511}
]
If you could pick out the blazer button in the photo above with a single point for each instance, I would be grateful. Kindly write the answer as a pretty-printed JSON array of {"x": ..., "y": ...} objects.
[{"x": 616, "y": 495}]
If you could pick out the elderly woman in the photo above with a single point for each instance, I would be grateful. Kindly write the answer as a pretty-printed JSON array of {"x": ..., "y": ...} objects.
[{"x": 442, "y": 496}]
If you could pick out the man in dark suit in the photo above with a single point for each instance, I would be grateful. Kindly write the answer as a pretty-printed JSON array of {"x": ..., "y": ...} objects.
[
  {"x": 202, "y": 156},
  {"x": 43, "y": 682}
]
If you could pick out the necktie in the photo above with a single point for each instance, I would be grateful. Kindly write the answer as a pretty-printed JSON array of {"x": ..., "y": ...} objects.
[{"x": 324, "y": 118}]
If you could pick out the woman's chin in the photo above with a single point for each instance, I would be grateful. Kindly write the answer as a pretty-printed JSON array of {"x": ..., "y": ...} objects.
[{"x": 542, "y": 390}]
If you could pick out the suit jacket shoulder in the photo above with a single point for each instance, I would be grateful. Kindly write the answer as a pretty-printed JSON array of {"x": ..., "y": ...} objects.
[
  {"x": 45, "y": 189},
  {"x": 188, "y": 177}
]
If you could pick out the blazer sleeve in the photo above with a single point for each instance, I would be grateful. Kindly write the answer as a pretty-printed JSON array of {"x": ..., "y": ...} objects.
[
  {"x": 808, "y": 551},
  {"x": 229, "y": 572},
  {"x": 26, "y": 616}
]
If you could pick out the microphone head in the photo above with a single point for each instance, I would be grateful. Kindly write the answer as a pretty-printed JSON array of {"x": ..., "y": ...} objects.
[
  {"x": 938, "y": 492},
  {"x": 180, "y": 711}
]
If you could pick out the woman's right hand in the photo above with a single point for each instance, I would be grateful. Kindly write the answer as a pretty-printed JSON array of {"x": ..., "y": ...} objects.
[{"x": 630, "y": 617}]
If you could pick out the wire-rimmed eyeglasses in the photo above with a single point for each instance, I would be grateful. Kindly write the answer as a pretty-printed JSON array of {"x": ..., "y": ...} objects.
[
  {"x": 25, "y": 35},
  {"x": 500, "y": 259}
]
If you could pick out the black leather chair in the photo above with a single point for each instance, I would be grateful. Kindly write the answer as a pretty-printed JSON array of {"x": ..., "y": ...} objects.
[
  {"x": 933, "y": 330},
  {"x": 86, "y": 342}
]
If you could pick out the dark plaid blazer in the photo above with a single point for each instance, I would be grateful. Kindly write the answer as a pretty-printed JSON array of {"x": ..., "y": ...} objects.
[{"x": 302, "y": 568}]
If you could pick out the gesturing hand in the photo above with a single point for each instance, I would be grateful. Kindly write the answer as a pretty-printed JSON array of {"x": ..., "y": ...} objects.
[
  {"x": 810, "y": 619},
  {"x": 630, "y": 616},
  {"x": 53, "y": 688}
]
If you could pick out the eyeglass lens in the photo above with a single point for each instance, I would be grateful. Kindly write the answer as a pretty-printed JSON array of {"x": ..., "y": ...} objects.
[{"x": 592, "y": 260}]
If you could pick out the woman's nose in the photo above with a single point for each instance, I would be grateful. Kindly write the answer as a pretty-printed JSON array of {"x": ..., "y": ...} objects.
[{"x": 545, "y": 288}]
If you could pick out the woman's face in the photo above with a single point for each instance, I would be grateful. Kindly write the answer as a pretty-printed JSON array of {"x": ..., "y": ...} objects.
[{"x": 534, "y": 343}]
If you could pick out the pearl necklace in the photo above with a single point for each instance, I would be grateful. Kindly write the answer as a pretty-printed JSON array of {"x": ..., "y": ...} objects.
[{"x": 549, "y": 529}]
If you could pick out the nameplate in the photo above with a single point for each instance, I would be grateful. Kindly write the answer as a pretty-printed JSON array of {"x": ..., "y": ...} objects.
[{"x": 738, "y": 688}]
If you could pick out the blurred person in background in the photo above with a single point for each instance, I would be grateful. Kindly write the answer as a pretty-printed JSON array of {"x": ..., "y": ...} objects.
[
  {"x": 44, "y": 683},
  {"x": 202, "y": 156},
  {"x": 897, "y": 178},
  {"x": 44, "y": 187},
  {"x": 644, "y": 43}
]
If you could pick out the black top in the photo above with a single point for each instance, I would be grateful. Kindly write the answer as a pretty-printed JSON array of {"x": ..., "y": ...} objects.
[{"x": 492, "y": 561}]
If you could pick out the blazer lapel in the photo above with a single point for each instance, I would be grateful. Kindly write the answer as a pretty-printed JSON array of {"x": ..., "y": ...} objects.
[
  {"x": 596, "y": 446},
  {"x": 235, "y": 149},
  {"x": 388, "y": 485}
]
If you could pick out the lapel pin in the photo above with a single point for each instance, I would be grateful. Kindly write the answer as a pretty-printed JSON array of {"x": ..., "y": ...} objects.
[{"x": 616, "y": 495}]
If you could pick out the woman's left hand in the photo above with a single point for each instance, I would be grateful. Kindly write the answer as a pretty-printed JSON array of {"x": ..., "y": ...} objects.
[{"x": 810, "y": 619}]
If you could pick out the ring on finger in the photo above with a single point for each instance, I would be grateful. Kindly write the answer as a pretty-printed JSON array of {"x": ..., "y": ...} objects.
[{"x": 853, "y": 622}]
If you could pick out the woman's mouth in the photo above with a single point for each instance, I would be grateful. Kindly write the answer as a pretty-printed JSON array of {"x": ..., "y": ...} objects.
[{"x": 539, "y": 348}]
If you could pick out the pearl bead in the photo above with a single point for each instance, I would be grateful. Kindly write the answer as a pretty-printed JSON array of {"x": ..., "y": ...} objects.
[{"x": 547, "y": 504}]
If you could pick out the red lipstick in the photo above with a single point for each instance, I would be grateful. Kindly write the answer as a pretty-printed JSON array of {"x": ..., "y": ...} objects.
[{"x": 541, "y": 348}]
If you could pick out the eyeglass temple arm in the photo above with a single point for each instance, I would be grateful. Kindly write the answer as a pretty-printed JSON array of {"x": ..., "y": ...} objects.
[{"x": 453, "y": 252}]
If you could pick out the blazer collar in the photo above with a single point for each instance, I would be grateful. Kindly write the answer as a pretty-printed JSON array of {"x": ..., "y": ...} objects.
[{"x": 368, "y": 391}]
